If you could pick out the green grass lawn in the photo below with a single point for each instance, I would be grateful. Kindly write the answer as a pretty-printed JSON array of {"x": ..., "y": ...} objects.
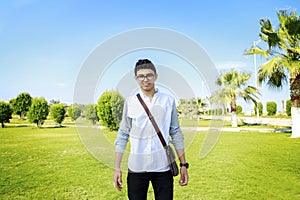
[
  {"x": 184, "y": 122},
  {"x": 52, "y": 163}
]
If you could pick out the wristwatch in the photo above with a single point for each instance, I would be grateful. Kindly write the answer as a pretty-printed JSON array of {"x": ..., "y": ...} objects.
[{"x": 186, "y": 165}]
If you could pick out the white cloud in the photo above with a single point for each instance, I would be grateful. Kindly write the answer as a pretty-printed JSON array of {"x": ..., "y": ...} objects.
[
  {"x": 60, "y": 84},
  {"x": 231, "y": 65}
]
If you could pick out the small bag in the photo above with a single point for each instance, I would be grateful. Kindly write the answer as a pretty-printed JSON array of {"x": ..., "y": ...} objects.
[
  {"x": 171, "y": 160},
  {"x": 169, "y": 151}
]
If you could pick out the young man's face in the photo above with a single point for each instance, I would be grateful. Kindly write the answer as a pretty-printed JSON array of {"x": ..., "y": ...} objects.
[{"x": 146, "y": 79}]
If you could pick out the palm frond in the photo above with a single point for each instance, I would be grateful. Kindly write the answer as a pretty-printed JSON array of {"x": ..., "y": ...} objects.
[
  {"x": 253, "y": 91},
  {"x": 257, "y": 50},
  {"x": 272, "y": 38},
  {"x": 294, "y": 50},
  {"x": 273, "y": 73},
  {"x": 234, "y": 86},
  {"x": 294, "y": 67},
  {"x": 289, "y": 26}
]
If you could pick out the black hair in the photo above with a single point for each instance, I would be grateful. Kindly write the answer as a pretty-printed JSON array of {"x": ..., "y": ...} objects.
[{"x": 144, "y": 64}]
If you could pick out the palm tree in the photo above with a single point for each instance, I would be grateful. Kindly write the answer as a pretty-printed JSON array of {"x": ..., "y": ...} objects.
[
  {"x": 218, "y": 102},
  {"x": 283, "y": 59},
  {"x": 201, "y": 105},
  {"x": 233, "y": 85}
]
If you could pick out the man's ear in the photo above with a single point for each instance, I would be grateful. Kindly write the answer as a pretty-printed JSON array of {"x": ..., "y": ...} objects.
[{"x": 156, "y": 76}]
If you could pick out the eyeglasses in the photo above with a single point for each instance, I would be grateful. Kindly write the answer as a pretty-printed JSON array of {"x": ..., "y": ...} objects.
[{"x": 142, "y": 77}]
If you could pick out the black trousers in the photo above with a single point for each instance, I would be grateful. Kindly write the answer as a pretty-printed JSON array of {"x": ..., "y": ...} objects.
[{"x": 138, "y": 183}]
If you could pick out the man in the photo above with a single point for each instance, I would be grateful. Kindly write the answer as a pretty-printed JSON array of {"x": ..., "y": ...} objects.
[{"x": 147, "y": 161}]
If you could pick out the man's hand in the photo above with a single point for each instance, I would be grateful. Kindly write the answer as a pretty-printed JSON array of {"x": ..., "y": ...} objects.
[
  {"x": 118, "y": 179},
  {"x": 183, "y": 176}
]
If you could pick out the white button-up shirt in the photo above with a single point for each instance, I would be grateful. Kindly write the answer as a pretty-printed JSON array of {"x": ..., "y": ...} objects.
[{"x": 146, "y": 151}]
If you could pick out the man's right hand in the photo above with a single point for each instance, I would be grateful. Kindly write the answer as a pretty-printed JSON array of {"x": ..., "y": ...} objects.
[{"x": 118, "y": 179}]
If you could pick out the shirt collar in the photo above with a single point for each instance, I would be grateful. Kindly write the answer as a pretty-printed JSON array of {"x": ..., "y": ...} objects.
[{"x": 157, "y": 92}]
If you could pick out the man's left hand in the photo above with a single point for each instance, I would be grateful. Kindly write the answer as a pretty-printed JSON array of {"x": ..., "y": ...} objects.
[{"x": 183, "y": 176}]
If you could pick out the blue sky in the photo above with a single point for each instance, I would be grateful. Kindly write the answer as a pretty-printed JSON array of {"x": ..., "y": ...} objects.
[{"x": 43, "y": 44}]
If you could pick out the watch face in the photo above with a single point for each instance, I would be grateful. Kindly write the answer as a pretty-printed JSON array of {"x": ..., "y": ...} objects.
[{"x": 186, "y": 165}]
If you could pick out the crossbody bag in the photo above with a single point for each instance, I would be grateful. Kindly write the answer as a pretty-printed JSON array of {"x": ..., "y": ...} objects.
[{"x": 169, "y": 151}]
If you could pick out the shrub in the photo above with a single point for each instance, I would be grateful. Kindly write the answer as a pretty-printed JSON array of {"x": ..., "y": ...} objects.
[
  {"x": 239, "y": 109},
  {"x": 90, "y": 113},
  {"x": 288, "y": 107},
  {"x": 5, "y": 113},
  {"x": 21, "y": 104},
  {"x": 110, "y": 108},
  {"x": 74, "y": 111},
  {"x": 271, "y": 108},
  {"x": 117, "y": 102},
  {"x": 58, "y": 112},
  {"x": 38, "y": 111},
  {"x": 260, "y": 108}
]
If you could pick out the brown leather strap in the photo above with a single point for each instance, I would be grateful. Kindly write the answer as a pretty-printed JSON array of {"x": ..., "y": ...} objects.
[{"x": 162, "y": 140}]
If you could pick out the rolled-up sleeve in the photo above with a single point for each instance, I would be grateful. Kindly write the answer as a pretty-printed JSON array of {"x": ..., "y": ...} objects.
[
  {"x": 175, "y": 130},
  {"x": 123, "y": 132}
]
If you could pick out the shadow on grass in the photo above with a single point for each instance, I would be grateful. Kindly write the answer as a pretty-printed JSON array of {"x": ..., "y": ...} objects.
[
  {"x": 34, "y": 126},
  {"x": 18, "y": 125},
  {"x": 52, "y": 127},
  {"x": 283, "y": 130}
]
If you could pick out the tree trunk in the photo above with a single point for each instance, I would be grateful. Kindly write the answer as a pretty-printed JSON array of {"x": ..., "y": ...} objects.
[
  {"x": 295, "y": 122},
  {"x": 295, "y": 110},
  {"x": 2, "y": 124},
  {"x": 233, "y": 112},
  {"x": 233, "y": 119}
]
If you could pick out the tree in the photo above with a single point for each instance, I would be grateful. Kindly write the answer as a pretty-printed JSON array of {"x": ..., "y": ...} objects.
[
  {"x": 288, "y": 107},
  {"x": 117, "y": 102},
  {"x": 234, "y": 86},
  {"x": 271, "y": 108},
  {"x": 53, "y": 101},
  {"x": 90, "y": 113},
  {"x": 219, "y": 102},
  {"x": 38, "y": 111},
  {"x": 184, "y": 107},
  {"x": 58, "y": 112},
  {"x": 5, "y": 113},
  {"x": 210, "y": 100},
  {"x": 282, "y": 54},
  {"x": 191, "y": 107},
  {"x": 74, "y": 111},
  {"x": 21, "y": 104},
  {"x": 201, "y": 105},
  {"x": 239, "y": 109},
  {"x": 110, "y": 108},
  {"x": 260, "y": 108},
  {"x": 216, "y": 102}
]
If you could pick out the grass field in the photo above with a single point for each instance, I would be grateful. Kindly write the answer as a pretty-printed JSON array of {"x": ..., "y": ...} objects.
[{"x": 52, "y": 163}]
